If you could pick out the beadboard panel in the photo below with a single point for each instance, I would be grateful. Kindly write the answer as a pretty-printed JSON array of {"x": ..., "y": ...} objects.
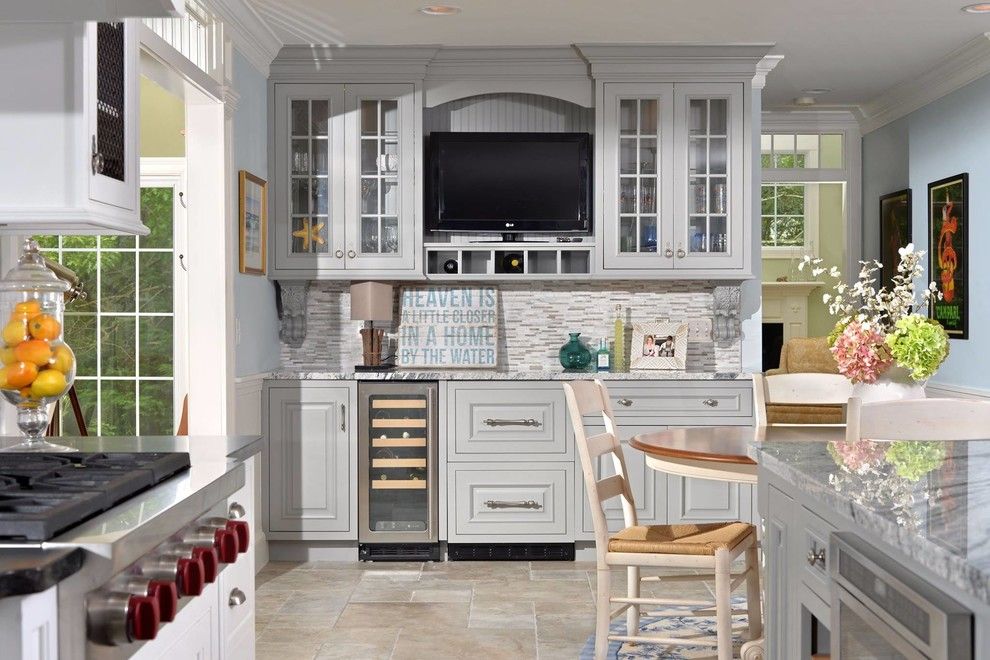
[
  {"x": 534, "y": 319},
  {"x": 509, "y": 113}
]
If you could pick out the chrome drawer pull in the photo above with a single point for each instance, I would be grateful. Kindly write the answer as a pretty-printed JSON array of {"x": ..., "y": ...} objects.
[
  {"x": 711, "y": 403},
  {"x": 521, "y": 504},
  {"x": 625, "y": 402},
  {"x": 237, "y": 597},
  {"x": 816, "y": 557},
  {"x": 511, "y": 422}
]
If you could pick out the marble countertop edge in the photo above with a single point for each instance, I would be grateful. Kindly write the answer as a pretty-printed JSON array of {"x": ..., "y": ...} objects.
[{"x": 487, "y": 374}]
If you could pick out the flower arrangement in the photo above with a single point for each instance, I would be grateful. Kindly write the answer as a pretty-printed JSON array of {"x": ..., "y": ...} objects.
[{"x": 877, "y": 328}]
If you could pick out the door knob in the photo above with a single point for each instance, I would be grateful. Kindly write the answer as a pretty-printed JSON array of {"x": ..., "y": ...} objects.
[
  {"x": 351, "y": 254},
  {"x": 339, "y": 254}
]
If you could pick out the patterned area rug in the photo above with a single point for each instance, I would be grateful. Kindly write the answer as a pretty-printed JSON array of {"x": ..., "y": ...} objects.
[{"x": 676, "y": 626}]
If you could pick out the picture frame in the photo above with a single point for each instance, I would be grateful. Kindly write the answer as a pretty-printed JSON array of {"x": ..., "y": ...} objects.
[
  {"x": 659, "y": 345},
  {"x": 895, "y": 231},
  {"x": 252, "y": 224},
  {"x": 948, "y": 252}
]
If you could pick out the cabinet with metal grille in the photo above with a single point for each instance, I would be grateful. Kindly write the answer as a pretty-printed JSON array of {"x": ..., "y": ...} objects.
[{"x": 73, "y": 127}]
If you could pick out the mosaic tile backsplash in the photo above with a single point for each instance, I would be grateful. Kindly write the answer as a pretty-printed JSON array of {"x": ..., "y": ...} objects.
[{"x": 535, "y": 318}]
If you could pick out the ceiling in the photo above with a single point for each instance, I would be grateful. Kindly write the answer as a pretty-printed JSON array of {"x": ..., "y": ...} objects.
[{"x": 856, "y": 48}]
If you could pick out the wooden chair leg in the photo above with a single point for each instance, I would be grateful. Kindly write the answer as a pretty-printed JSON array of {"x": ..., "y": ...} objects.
[
  {"x": 753, "y": 593},
  {"x": 632, "y": 591},
  {"x": 603, "y": 608},
  {"x": 723, "y": 603}
]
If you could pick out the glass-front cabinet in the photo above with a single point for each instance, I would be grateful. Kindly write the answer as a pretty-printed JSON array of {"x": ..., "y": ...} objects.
[
  {"x": 672, "y": 176},
  {"x": 344, "y": 177}
]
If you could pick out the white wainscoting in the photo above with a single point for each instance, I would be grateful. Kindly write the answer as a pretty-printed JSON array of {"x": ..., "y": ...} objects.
[
  {"x": 247, "y": 421},
  {"x": 956, "y": 391}
]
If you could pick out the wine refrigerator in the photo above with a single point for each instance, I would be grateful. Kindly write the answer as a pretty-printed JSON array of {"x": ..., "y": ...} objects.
[{"x": 397, "y": 471}]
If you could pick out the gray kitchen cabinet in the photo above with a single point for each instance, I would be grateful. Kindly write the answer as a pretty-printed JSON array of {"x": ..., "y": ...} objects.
[
  {"x": 780, "y": 591},
  {"x": 311, "y": 461},
  {"x": 692, "y": 500}
]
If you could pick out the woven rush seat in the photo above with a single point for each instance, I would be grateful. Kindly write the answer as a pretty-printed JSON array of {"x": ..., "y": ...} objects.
[{"x": 701, "y": 539}]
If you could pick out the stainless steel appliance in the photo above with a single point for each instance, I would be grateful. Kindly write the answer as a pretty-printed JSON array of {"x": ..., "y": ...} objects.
[
  {"x": 882, "y": 611},
  {"x": 157, "y": 534},
  {"x": 397, "y": 471}
]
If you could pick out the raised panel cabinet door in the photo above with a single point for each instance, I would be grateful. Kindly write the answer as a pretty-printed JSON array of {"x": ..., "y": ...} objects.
[
  {"x": 635, "y": 149},
  {"x": 691, "y": 500},
  {"x": 381, "y": 177},
  {"x": 649, "y": 486},
  {"x": 310, "y": 458},
  {"x": 780, "y": 589},
  {"x": 308, "y": 213},
  {"x": 111, "y": 81},
  {"x": 709, "y": 172}
]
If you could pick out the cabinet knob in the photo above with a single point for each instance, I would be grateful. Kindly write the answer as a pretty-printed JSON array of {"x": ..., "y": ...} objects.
[
  {"x": 97, "y": 161},
  {"x": 237, "y": 597},
  {"x": 711, "y": 403},
  {"x": 625, "y": 402},
  {"x": 669, "y": 252},
  {"x": 816, "y": 557},
  {"x": 681, "y": 253},
  {"x": 339, "y": 254},
  {"x": 351, "y": 254},
  {"x": 236, "y": 511}
]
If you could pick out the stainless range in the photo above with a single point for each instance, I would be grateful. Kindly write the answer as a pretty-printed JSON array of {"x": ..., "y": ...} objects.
[{"x": 157, "y": 532}]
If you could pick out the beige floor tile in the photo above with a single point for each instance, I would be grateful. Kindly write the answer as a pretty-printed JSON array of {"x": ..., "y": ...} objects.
[
  {"x": 559, "y": 574},
  {"x": 479, "y": 570},
  {"x": 567, "y": 628},
  {"x": 441, "y": 596},
  {"x": 559, "y": 650},
  {"x": 364, "y": 643},
  {"x": 382, "y": 591},
  {"x": 297, "y": 629},
  {"x": 534, "y": 590},
  {"x": 303, "y": 603},
  {"x": 435, "y": 616},
  {"x": 502, "y": 615},
  {"x": 285, "y": 651},
  {"x": 416, "y": 644}
]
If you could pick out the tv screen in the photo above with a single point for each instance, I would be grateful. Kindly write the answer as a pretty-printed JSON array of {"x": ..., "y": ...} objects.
[{"x": 510, "y": 182}]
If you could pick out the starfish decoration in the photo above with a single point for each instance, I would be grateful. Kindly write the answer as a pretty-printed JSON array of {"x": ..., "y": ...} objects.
[{"x": 310, "y": 232}]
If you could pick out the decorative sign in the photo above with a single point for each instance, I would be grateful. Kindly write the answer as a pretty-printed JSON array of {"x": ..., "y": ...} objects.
[
  {"x": 448, "y": 327},
  {"x": 948, "y": 252}
]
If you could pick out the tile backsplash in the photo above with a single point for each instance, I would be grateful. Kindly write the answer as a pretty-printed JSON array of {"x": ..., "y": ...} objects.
[{"x": 535, "y": 318}]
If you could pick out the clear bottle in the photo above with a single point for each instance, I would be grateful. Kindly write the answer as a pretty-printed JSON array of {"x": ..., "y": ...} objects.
[
  {"x": 619, "y": 342},
  {"x": 603, "y": 359}
]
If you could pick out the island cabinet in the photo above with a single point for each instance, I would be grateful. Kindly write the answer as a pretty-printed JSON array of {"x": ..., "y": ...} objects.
[
  {"x": 312, "y": 460},
  {"x": 72, "y": 147}
]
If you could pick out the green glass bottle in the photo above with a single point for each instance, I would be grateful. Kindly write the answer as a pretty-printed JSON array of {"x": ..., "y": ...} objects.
[
  {"x": 574, "y": 355},
  {"x": 619, "y": 342}
]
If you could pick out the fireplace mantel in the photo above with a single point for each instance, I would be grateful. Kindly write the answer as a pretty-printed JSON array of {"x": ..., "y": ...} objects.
[{"x": 787, "y": 303}]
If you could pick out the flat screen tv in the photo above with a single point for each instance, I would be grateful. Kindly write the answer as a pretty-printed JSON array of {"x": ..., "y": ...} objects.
[{"x": 509, "y": 183}]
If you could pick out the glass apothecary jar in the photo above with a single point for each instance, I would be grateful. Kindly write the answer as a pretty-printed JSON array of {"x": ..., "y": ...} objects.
[{"x": 38, "y": 366}]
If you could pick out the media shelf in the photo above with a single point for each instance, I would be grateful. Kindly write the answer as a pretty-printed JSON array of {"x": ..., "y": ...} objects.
[{"x": 508, "y": 261}]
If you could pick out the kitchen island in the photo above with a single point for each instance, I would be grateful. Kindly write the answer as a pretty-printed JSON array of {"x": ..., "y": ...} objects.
[
  {"x": 923, "y": 507},
  {"x": 47, "y": 586}
]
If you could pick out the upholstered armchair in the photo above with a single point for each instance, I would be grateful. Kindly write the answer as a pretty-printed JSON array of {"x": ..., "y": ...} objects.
[{"x": 805, "y": 355}]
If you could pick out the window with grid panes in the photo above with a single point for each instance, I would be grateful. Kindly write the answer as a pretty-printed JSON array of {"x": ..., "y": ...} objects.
[
  {"x": 123, "y": 332},
  {"x": 783, "y": 215}
]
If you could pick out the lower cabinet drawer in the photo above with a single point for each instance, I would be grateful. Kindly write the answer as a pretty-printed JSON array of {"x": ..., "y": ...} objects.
[
  {"x": 508, "y": 502},
  {"x": 812, "y": 546},
  {"x": 686, "y": 399}
]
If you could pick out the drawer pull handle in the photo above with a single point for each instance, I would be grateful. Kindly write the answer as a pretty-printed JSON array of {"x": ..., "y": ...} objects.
[
  {"x": 511, "y": 422},
  {"x": 711, "y": 403},
  {"x": 625, "y": 402},
  {"x": 236, "y": 511},
  {"x": 521, "y": 504},
  {"x": 343, "y": 417},
  {"x": 816, "y": 557},
  {"x": 237, "y": 597}
]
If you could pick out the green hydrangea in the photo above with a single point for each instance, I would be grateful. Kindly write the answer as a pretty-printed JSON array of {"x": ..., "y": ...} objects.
[
  {"x": 836, "y": 331},
  {"x": 913, "y": 459},
  {"x": 920, "y": 344}
]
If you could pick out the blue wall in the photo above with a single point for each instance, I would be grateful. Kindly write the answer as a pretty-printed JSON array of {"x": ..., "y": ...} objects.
[
  {"x": 946, "y": 137},
  {"x": 254, "y": 296}
]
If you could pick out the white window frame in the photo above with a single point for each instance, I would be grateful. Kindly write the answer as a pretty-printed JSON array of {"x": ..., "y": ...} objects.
[{"x": 811, "y": 212}]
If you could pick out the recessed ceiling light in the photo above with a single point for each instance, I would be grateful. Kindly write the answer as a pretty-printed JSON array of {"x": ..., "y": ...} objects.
[
  {"x": 979, "y": 8},
  {"x": 816, "y": 91},
  {"x": 440, "y": 10},
  {"x": 805, "y": 100}
]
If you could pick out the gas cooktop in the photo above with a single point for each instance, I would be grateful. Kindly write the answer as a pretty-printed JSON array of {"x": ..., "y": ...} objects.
[{"x": 42, "y": 495}]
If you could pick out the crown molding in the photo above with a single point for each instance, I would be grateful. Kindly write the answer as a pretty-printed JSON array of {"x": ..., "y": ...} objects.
[
  {"x": 297, "y": 62},
  {"x": 675, "y": 61},
  {"x": 957, "y": 69},
  {"x": 763, "y": 68},
  {"x": 249, "y": 33},
  {"x": 819, "y": 119}
]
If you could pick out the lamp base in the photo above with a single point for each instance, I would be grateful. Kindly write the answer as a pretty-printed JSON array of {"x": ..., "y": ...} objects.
[{"x": 377, "y": 368}]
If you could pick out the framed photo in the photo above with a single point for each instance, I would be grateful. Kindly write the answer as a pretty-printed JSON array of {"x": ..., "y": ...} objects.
[
  {"x": 895, "y": 231},
  {"x": 948, "y": 252},
  {"x": 660, "y": 345},
  {"x": 252, "y": 223}
]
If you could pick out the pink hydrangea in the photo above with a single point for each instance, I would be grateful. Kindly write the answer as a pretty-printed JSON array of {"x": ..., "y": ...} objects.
[
  {"x": 861, "y": 353},
  {"x": 856, "y": 455}
]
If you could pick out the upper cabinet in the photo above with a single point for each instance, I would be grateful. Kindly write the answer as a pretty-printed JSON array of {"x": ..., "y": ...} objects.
[{"x": 72, "y": 121}]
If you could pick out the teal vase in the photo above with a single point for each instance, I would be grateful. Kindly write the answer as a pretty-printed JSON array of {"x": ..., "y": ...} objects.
[{"x": 574, "y": 355}]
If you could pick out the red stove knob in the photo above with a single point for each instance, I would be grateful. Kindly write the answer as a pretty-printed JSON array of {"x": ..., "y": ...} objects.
[
  {"x": 191, "y": 576},
  {"x": 167, "y": 595},
  {"x": 211, "y": 564},
  {"x": 226, "y": 545},
  {"x": 143, "y": 617},
  {"x": 240, "y": 528}
]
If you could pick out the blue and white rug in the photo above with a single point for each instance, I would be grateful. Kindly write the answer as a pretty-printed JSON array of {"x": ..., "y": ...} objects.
[{"x": 687, "y": 626}]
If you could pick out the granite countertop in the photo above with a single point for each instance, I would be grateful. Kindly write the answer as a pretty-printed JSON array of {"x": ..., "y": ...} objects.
[
  {"x": 29, "y": 570},
  {"x": 929, "y": 500},
  {"x": 489, "y": 374}
]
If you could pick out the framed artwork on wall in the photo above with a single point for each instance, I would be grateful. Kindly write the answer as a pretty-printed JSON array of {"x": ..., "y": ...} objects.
[
  {"x": 948, "y": 252},
  {"x": 660, "y": 345},
  {"x": 895, "y": 231},
  {"x": 252, "y": 225}
]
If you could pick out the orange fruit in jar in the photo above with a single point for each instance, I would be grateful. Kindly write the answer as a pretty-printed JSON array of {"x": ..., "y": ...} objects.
[
  {"x": 15, "y": 332},
  {"x": 62, "y": 359},
  {"x": 49, "y": 383},
  {"x": 36, "y": 351},
  {"x": 27, "y": 309},
  {"x": 44, "y": 326},
  {"x": 21, "y": 374},
  {"x": 7, "y": 355}
]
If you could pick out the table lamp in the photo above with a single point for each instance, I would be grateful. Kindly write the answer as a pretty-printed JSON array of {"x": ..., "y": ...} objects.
[{"x": 370, "y": 302}]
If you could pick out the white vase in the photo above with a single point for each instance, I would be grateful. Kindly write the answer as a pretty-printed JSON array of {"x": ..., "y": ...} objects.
[{"x": 893, "y": 384}]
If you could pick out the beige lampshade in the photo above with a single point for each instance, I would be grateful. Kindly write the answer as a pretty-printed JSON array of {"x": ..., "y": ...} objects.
[{"x": 371, "y": 301}]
